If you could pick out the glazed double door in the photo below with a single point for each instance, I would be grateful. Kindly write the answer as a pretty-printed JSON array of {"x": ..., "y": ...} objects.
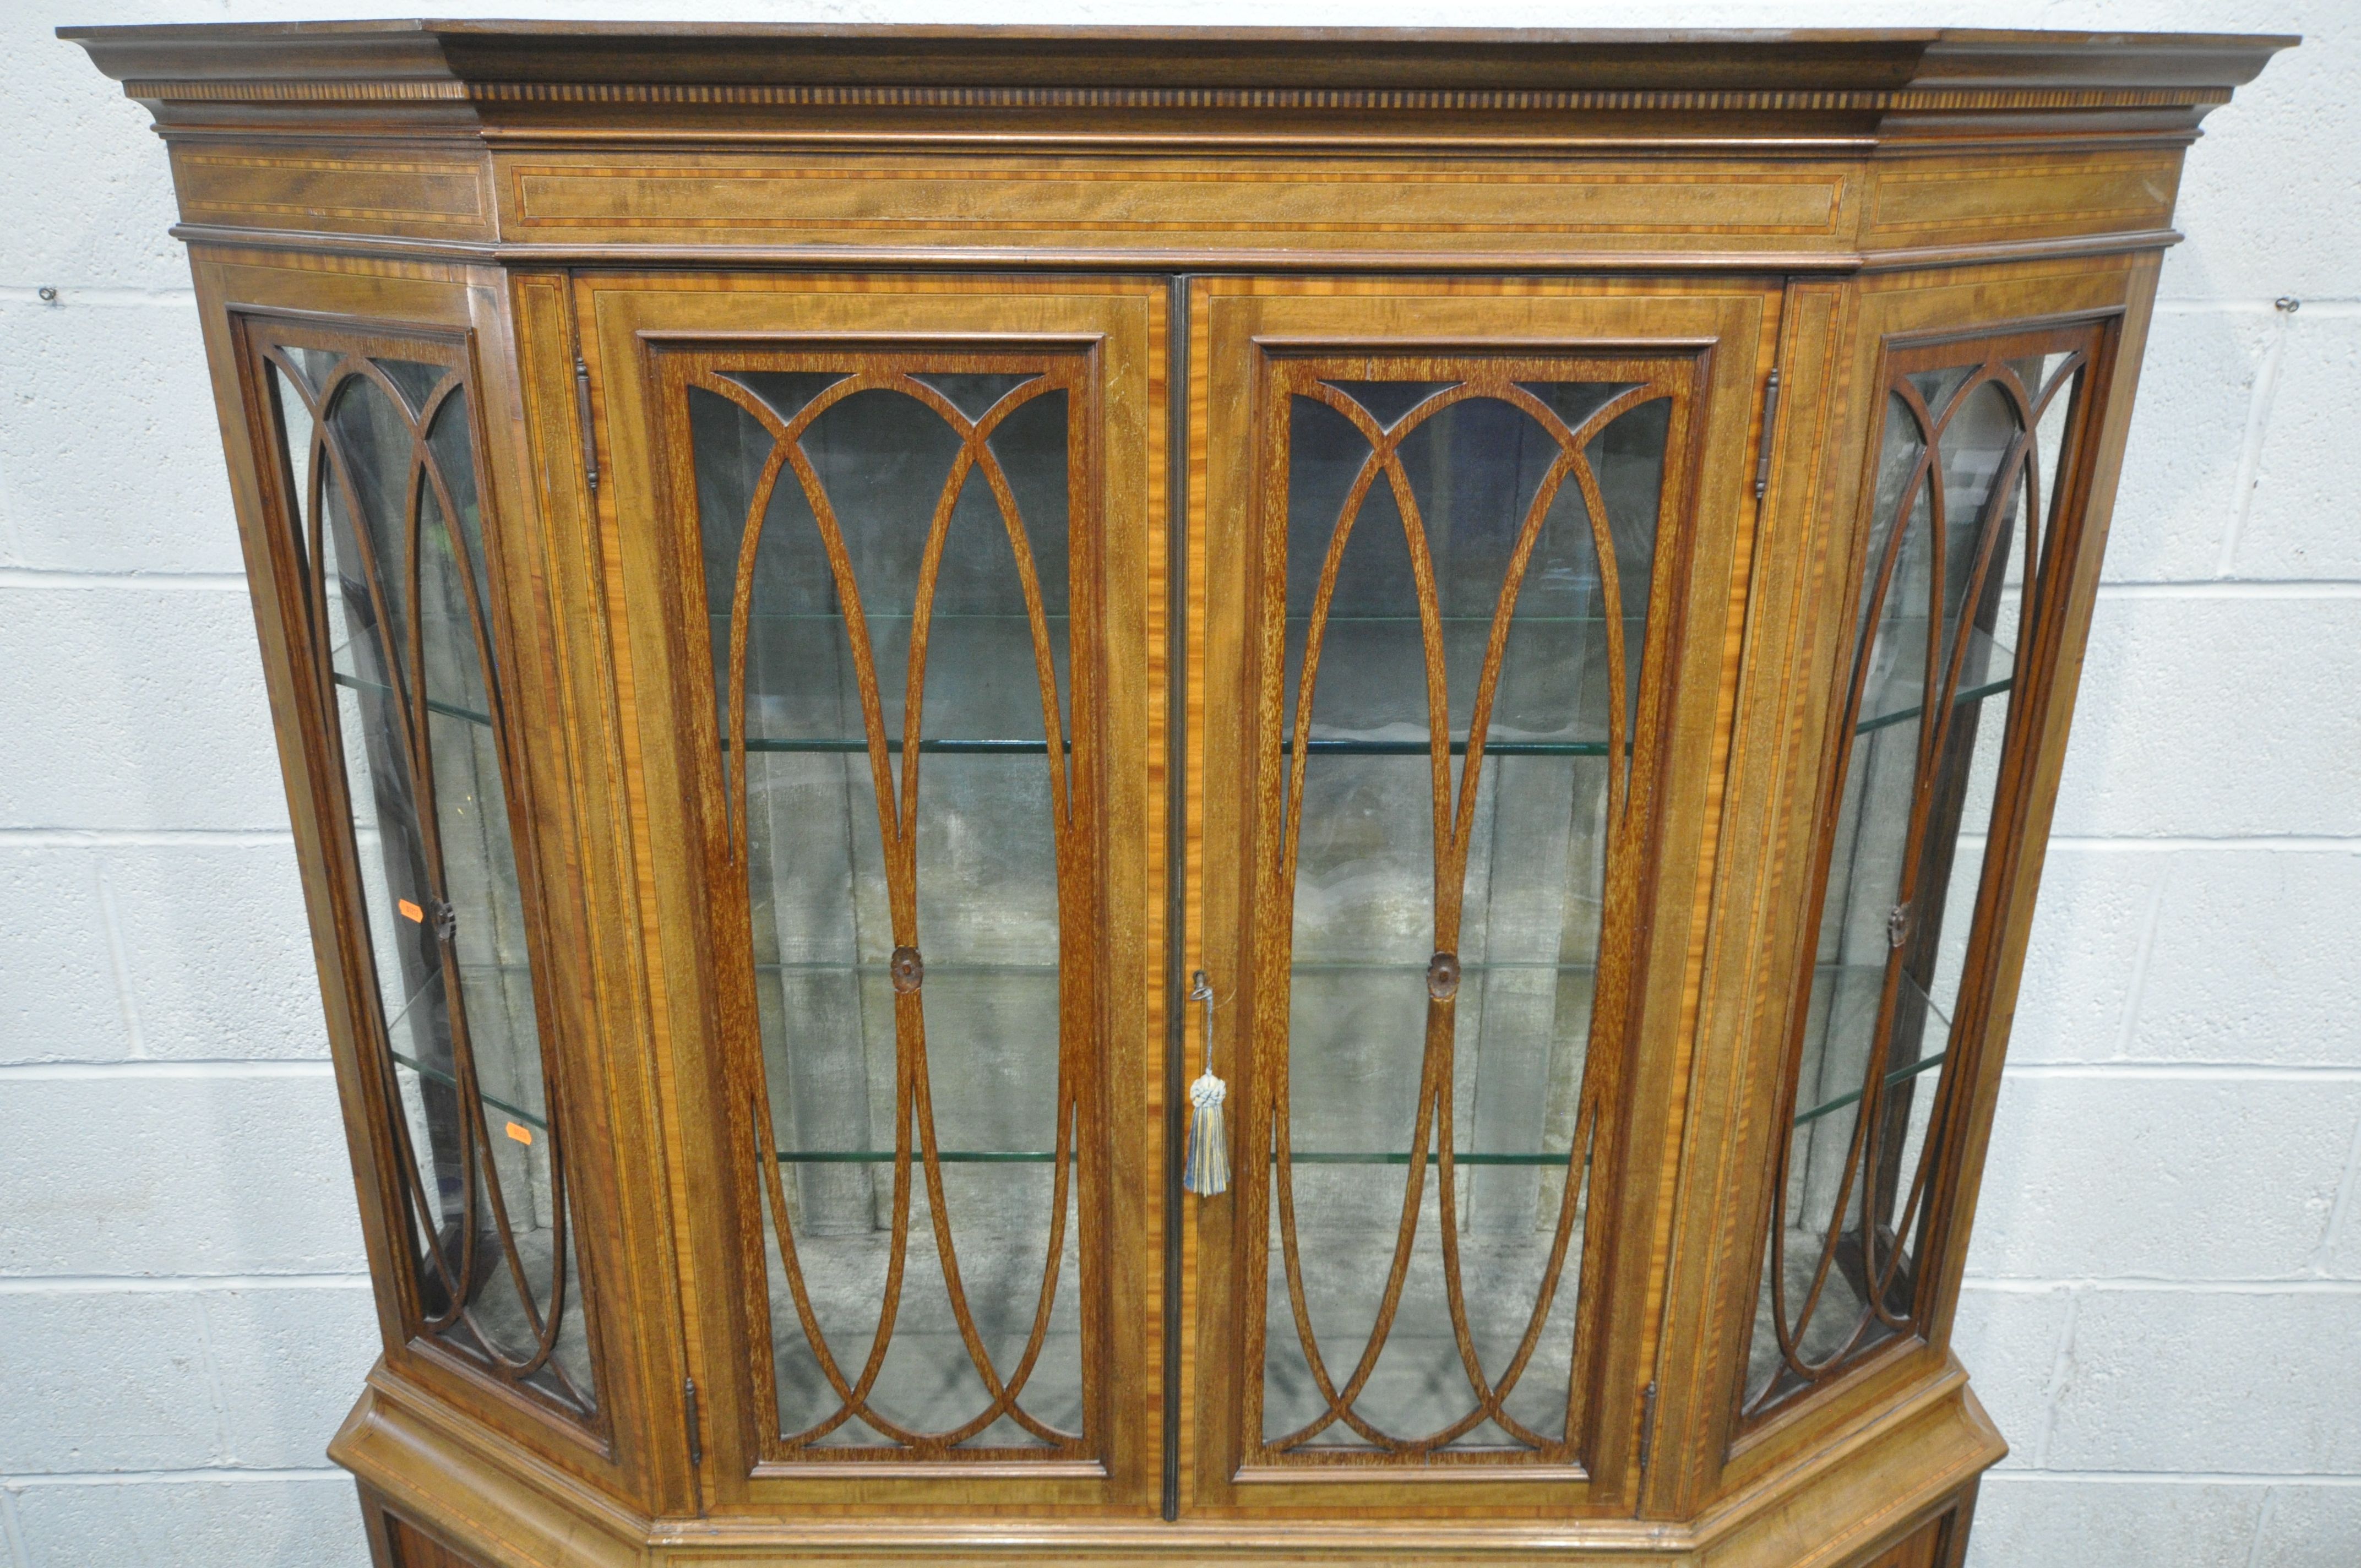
[{"x": 1007, "y": 654}]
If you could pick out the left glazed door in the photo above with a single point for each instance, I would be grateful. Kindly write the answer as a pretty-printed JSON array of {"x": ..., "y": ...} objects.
[{"x": 890, "y": 583}]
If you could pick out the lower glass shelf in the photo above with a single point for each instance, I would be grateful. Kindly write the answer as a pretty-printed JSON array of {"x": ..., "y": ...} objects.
[
  {"x": 1048, "y": 1156},
  {"x": 1899, "y": 1076},
  {"x": 1864, "y": 982},
  {"x": 538, "y": 1123}
]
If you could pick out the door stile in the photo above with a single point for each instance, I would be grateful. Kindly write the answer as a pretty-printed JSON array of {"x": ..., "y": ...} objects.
[
  {"x": 1173, "y": 751},
  {"x": 1786, "y": 567}
]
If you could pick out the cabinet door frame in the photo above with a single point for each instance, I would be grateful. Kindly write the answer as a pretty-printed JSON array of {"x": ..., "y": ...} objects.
[
  {"x": 627, "y": 322},
  {"x": 1727, "y": 330}
]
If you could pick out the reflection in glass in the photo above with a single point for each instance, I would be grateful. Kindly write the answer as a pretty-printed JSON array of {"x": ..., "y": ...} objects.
[
  {"x": 888, "y": 574},
  {"x": 1468, "y": 560},
  {"x": 1953, "y": 570},
  {"x": 379, "y": 469}
]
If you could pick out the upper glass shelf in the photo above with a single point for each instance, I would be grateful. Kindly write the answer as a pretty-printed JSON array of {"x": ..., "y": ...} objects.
[{"x": 1897, "y": 699}]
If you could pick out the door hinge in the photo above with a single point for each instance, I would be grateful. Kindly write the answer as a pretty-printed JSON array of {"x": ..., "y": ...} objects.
[
  {"x": 1647, "y": 1426},
  {"x": 696, "y": 1442},
  {"x": 590, "y": 438},
  {"x": 1769, "y": 430}
]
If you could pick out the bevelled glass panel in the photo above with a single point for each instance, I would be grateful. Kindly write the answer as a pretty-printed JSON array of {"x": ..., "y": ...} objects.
[
  {"x": 1951, "y": 568},
  {"x": 922, "y": 1214},
  {"x": 1446, "y": 927},
  {"x": 380, "y": 472}
]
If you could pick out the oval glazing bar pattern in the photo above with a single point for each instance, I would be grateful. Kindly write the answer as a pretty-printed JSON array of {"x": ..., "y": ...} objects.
[
  {"x": 377, "y": 478},
  {"x": 1470, "y": 549},
  {"x": 892, "y": 597},
  {"x": 1952, "y": 615}
]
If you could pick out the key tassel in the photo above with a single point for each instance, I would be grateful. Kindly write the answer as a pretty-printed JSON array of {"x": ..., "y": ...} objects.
[{"x": 1205, "y": 1170}]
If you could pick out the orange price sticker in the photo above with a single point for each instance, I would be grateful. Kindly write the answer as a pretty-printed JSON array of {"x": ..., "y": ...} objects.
[
  {"x": 411, "y": 911},
  {"x": 520, "y": 1132}
]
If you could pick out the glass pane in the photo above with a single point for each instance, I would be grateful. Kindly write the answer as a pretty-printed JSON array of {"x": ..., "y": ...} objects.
[
  {"x": 1445, "y": 933},
  {"x": 906, "y": 929},
  {"x": 403, "y": 612},
  {"x": 1930, "y": 683}
]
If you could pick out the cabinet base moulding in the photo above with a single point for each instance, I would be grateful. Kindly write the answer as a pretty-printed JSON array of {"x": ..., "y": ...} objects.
[{"x": 429, "y": 1486}]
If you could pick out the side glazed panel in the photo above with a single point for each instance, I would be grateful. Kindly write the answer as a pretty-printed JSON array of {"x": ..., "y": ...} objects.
[
  {"x": 1955, "y": 612},
  {"x": 370, "y": 466}
]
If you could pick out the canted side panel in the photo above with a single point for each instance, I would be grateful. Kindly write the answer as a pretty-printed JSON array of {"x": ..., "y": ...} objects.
[
  {"x": 370, "y": 474},
  {"x": 1940, "y": 200},
  {"x": 1941, "y": 1542},
  {"x": 1955, "y": 615},
  {"x": 1921, "y": 1550},
  {"x": 322, "y": 188}
]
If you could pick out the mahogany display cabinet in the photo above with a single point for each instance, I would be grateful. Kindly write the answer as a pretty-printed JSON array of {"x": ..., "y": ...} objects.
[{"x": 881, "y": 637}]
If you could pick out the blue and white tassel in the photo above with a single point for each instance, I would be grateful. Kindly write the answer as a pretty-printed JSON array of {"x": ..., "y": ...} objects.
[{"x": 1206, "y": 1170}]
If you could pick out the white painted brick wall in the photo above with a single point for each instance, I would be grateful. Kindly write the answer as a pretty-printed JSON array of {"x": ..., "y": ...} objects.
[{"x": 2164, "y": 1300}]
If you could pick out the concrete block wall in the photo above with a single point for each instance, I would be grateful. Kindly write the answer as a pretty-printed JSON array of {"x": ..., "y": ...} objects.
[{"x": 2164, "y": 1300}]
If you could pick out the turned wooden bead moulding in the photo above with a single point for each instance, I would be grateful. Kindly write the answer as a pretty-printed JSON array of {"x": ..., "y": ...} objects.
[{"x": 811, "y": 577}]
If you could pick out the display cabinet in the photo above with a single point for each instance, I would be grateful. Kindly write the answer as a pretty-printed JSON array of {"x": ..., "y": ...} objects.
[{"x": 882, "y": 637}]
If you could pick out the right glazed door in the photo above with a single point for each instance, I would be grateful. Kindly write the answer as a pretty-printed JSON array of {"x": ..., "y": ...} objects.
[{"x": 1459, "y": 562}]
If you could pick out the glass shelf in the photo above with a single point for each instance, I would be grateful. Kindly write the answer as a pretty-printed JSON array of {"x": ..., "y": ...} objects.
[
  {"x": 1898, "y": 1076},
  {"x": 1893, "y": 703},
  {"x": 1966, "y": 695},
  {"x": 436, "y": 1075},
  {"x": 1338, "y": 748},
  {"x": 1900, "y": 695},
  {"x": 847, "y": 743},
  {"x": 940, "y": 615},
  {"x": 354, "y": 683},
  {"x": 1048, "y": 1156},
  {"x": 1373, "y": 966},
  {"x": 946, "y": 1157},
  {"x": 882, "y": 966},
  {"x": 1300, "y": 1157},
  {"x": 1938, "y": 1022}
]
